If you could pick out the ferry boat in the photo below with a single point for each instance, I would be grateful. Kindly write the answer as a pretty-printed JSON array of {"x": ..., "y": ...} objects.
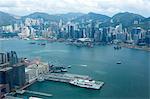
[
  {"x": 32, "y": 43},
  {"x": 42, "y": 44},
  {"x": 34, "y": 98},
  {"x": 57, "y": 69},
  {"x": 87, "y": 83},
  {"x": 69, "y": 66}
]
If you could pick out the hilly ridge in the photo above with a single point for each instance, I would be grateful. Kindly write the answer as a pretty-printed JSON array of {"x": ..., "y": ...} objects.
[
  {"x": 92, "y": 16},
  {"x": 6, "y": 19},
  {"x": 126, "y": 18}
]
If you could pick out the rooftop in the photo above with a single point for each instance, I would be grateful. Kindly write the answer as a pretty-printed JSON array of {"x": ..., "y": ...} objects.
[{"x": 6, "y": 69}]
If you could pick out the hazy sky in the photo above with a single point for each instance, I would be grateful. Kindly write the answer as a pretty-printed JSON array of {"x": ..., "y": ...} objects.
[{"x": 107, "y": 7}]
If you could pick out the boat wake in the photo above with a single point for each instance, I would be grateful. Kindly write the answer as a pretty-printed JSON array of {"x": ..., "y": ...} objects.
[
  {"x": 47, "y": 51},
  {"x": 83, "y": 65}
]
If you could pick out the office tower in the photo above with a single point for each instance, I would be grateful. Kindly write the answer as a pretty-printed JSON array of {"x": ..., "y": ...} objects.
[
  {"x": 97, "y": 35},
  {"x": 60, "y": 24},
  {"x": 12, "y": 57},
  {"x": 135, "y": 32},
  {"x": 3, "y": 58},
  {"x": 92, "y": 30},
  {"x": 6, "y": 77},
  {"x": 147, "y": 37},
  {"x": 19, "y": 73},
  {"x": 71, "y": 31},
  {"x": 105, "y": 35}
]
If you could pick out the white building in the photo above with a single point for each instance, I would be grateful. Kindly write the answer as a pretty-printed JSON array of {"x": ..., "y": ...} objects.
[
  {"x": 8, "y": 28},
  {"x": 31, "y": 75},
  {"x": 16, "y": 27},
  {"x": 118, "y": 29},
  {"x": 25, "y": 32},
  {"x": 34, "y": 71}
]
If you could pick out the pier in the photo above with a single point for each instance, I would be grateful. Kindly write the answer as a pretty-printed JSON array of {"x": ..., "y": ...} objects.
[
  {"x": 65, "y": 77},
  {"x": 74, "y": 79}
]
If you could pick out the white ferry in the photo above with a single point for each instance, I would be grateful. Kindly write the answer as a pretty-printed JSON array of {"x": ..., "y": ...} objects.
[
  {"x": 34, "y": 98},
  {"x": 87, "y": 83}
]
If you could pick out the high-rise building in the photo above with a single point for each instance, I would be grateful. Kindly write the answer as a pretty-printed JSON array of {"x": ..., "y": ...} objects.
[
  {"x": 135, "y": 34},
  {"x": 6, "y": 77},
  {"x": 12, "y": 72},
  {"x": 92, "y": 30},
  {"x": 19, "y": 73},
  {"x": 97, "y": 35},
  {"x": 25, "y": 32},
  {"x": 3, "y": 58},
  {"x": 105, "y": 35},
  {"x": 147, "y": 37},
  {"x": 12, "y": 57}
]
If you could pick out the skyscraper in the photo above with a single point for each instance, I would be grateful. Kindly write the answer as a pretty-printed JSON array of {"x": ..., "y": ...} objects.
[
  {"x": 6, "y": 77},
  {"x": 19, "y": 73},
  {"x": 12, "y": 57}
]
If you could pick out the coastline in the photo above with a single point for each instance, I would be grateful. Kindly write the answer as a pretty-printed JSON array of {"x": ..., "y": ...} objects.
[
  {"x": 143, "y": 48},
  {"x": 130, "y": 46}
]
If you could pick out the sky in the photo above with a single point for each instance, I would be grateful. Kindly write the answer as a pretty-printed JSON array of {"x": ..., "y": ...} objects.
[{"x": 107, "y": 7}]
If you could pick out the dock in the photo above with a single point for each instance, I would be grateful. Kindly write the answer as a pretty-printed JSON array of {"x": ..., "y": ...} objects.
[
  {"x": 65, "y": 77},
  {"x": 68, "y": 78}
]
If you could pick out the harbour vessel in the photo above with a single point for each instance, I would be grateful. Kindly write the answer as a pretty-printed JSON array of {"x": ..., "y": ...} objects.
[
  {"x": 92, "y": 84},
  {"x": 57, "y": 69},
  {"x": 34, "y": 98},
  {"x": 69, "y": 66},
  {"x": 119, "y": 62},
  {"x": 32, "y": 43}
]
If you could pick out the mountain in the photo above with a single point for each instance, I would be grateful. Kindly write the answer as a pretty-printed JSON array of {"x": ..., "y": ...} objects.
[
  {"x": 145, "y": 24},
  {"x": 44, "y": 16},
  {"x": 92, "y": 16},
  {"x": 146, "y": 20},
  {"x": 54, "y": 17},
  {"x": 69, "y": 16},
  {"x": 6, "y": 19},
  {"x": 126, "y": 19}
]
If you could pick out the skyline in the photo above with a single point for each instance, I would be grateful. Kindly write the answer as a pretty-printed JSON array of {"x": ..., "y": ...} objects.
[{"x": 106, "y": 7}]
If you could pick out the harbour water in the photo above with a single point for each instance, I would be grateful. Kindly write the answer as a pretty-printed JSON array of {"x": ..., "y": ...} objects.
[{"x": 129, "y": 80}]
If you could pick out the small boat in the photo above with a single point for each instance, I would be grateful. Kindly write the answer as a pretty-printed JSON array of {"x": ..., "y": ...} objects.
[
  {"x": 63, "y": 70},
  {"x": 43, "y": 44},
  {"x": 34, "y": 98},
  {"x": 57, "y": 69},
  {"x": 32, "y": 43},
  {"x": 69, "y": 66},
  {"x": 119, "y": 62}
]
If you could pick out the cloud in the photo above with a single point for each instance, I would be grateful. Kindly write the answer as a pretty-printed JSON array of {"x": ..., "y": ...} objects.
[{"x": 108, "y": 7}]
